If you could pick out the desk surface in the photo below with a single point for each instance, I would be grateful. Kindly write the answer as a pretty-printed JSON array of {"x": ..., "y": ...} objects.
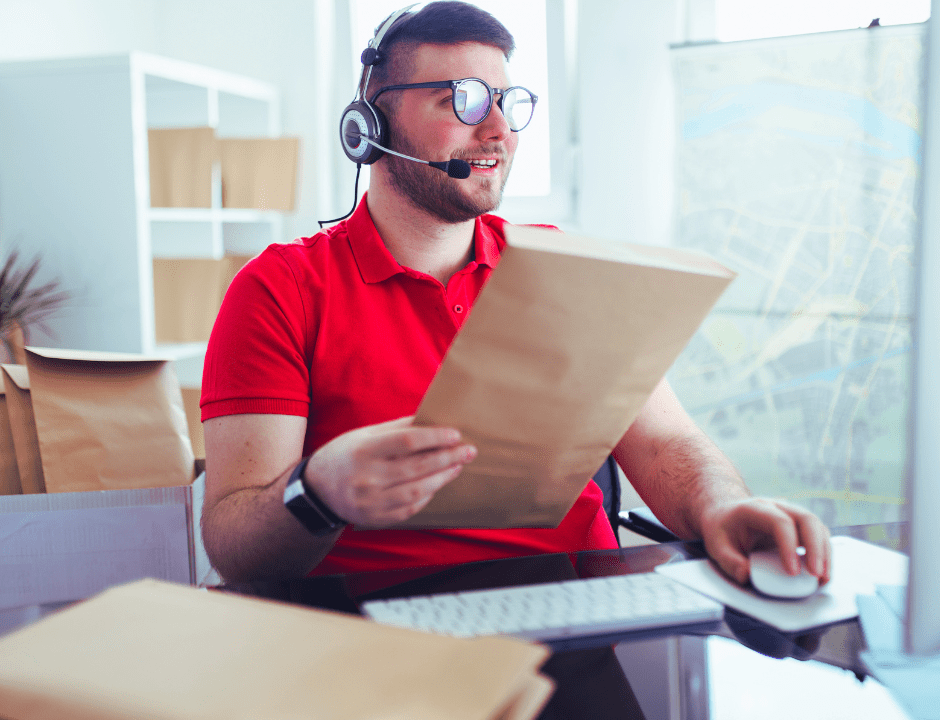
[{"x": 667, "y": 673}]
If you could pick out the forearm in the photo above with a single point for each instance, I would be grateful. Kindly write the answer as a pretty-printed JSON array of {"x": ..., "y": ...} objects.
[
  {"x": 685, "y": 479},
  {"x": 249, "y": 534}
]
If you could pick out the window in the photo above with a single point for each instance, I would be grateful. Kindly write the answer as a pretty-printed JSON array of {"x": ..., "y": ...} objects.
[{"x": 749, "y": 19}]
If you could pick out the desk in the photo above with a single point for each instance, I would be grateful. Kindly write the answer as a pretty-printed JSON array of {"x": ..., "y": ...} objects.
[{"x": 732, "y": 669}]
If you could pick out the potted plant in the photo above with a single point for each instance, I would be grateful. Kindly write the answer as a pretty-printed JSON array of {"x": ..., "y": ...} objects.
[{"x": 23, "y": 307}]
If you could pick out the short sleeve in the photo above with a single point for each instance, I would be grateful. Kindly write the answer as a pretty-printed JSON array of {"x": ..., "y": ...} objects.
[{"x": 258, "y": 354}]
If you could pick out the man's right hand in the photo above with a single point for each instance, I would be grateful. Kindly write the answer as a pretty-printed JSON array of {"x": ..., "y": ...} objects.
[
  {"x": 375, "y": 476},
  {"x": 383, "y": 474}
]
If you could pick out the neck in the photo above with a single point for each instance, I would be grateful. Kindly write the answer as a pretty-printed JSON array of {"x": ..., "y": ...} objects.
[{"x": 417, "y": 239}]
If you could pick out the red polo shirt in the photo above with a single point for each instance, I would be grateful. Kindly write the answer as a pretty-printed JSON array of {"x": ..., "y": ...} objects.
[{"x": 333, "y": 329}]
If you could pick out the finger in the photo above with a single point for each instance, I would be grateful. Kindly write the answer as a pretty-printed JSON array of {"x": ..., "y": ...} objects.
[
  {"x": 408, "y": 499},
  {"x": 752, "y": 526},
  {"x": 404, "y": 441},
  {"x": 420, "y": 465},
  {"x": 769, "y": 520},
  {"x": 781, "y": 525},
  {"x": 814, "y": 536},
  {"x": 731, "y": 560},
  {"x": 401, "y": 422}
]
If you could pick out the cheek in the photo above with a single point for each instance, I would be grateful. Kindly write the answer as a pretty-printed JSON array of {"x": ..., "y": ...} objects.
[{"x": 441, "y": 132}]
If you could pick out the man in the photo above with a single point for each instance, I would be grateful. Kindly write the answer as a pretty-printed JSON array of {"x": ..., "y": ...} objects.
[{"x": 324, "y": 348}]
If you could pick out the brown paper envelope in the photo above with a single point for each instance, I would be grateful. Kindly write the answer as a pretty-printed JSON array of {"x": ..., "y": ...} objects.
[
  {"x": 191, "y": 397},
  {"x": 530, "y": 701},
  {"x": 563, "y": 347},
  {"x": 9, "y": 472},
  {"x": 23, "y": 428},
  {"x": 108, "y": 421},
  {"x": 259, "y": 173},
  {"x": 152, "y": 649},
  {"x": 181, "y": 166}
]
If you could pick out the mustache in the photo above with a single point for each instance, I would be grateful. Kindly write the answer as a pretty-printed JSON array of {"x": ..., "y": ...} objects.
[{"x": 496, "y": 151}]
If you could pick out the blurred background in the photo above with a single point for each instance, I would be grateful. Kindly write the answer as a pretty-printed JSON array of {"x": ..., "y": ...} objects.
[{"x": 783, "y": 139}]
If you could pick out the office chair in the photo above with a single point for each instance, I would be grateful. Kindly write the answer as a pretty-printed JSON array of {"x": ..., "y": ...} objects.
[{"x": 639, "y": 520}]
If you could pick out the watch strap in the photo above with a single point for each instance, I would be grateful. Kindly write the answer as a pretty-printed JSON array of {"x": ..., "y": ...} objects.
[{"x": 304, "y": 504}]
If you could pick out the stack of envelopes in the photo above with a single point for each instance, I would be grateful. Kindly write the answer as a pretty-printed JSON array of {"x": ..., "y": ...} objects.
[{"x": 152, "y": 649}]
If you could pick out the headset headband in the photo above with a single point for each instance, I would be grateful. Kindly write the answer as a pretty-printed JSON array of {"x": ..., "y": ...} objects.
[{"x": 370, "y": 56}]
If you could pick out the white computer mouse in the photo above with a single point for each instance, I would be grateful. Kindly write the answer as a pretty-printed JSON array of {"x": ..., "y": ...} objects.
[{"x": 769, "y": 577}]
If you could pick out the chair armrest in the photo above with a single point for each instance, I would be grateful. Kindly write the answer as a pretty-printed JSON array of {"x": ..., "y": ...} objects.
[{"x": 642, "y": 521}]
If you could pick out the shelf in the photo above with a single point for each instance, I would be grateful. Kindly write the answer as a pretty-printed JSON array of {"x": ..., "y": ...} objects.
[
  {"x": 180, "y": 351},
  {"x": 187, "y": 360},
  {"x": 228, "y": 215},
  {"x": 52, "y": 141}
]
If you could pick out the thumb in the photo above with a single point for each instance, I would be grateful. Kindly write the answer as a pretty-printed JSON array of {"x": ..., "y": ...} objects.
[{"x": 731, "y": 562}]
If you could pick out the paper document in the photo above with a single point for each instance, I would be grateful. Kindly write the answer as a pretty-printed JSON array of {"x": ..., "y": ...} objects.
[
  {"x": 158, "y": 650},
  {"x": 857, "y": 567},
  {"x": 565, "y": 344}
]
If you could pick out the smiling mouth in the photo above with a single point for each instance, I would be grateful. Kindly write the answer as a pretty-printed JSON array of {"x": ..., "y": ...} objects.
[{"x": 483, "y": 164}]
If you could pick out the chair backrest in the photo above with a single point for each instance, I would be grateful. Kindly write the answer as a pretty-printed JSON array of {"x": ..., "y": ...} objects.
[{"x": 608, "y": 480}]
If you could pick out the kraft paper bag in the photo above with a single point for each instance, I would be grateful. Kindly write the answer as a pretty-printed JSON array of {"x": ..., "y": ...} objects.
[
  {"x": 565, "y": 344},
  {"x": 188, "y": 293},
  {"x": 181, "y": 162},
  {"x": 23, "y": 428},
  {"x": 191, "y": 398},
  {"x": 9, "y": 472},
  {"x": 259, "y": 173},
  {"x": 153, "y": 649},
  {"x": 108, "y": 421}
]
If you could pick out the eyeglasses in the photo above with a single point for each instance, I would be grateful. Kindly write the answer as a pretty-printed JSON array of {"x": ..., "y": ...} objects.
[{"x": 473, "y": 100}]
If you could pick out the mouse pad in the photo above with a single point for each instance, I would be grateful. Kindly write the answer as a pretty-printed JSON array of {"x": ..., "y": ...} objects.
[{"x": 857, "y": 567}]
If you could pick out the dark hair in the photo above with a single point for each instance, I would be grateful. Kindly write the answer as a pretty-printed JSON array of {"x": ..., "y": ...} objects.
[{"x": 437, "y": 23}]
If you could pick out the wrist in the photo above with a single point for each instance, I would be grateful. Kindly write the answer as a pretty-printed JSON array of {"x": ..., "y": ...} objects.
[{"x": 309, "y": 508}]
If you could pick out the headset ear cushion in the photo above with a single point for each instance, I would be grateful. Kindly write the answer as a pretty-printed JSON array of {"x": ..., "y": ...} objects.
[{"x": 362, "y": 119}]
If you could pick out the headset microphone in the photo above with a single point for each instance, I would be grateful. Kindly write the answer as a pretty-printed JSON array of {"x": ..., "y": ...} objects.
[{"x": 457, "y": 169}]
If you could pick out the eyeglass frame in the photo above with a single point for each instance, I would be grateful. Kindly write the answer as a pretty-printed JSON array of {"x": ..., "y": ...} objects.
[{"x": 453, "y": 84}]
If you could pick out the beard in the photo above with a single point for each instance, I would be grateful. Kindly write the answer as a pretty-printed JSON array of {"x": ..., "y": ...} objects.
[{"x": 437, "y": 193}]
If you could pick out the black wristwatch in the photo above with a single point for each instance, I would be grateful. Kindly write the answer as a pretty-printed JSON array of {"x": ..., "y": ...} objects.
[{"x": 307, "y": 507}]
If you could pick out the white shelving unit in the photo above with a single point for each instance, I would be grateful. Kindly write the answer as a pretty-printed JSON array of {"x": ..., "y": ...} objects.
[{"x": 75, "y": 186}]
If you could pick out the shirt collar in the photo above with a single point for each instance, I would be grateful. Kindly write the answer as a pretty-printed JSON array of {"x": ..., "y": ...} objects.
[
  {"x": 376, "y": 263},
  {"x": 373, "y": 258}
]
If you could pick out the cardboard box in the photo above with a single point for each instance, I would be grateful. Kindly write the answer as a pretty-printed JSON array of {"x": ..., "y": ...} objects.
[
  {"x": 181, "y": 162},
  {"x": 68, "y": 546},
  {"x": 188, "y": 293},
  {"x": 259, "y": 173},
  {"x": 157, "y": 650},
  {"x": 191, "y": 397}
]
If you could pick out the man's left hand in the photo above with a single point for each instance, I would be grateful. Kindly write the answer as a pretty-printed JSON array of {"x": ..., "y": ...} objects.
[{"x": 733, "y": 529}]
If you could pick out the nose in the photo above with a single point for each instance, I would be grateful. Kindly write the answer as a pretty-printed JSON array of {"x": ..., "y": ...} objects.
[{"x": 494, "y": 125}]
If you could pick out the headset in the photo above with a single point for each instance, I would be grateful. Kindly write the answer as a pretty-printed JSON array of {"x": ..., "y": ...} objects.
[
  {"x": 363, "y": 126},
  {"x": 363, "y": 129}
]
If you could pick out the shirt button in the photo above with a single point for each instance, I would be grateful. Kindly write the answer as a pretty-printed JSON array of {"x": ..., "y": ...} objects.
[{"x": 458, "y": 308}]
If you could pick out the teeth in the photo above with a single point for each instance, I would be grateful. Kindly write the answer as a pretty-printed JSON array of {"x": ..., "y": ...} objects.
[{"x": 483, "y": 163}]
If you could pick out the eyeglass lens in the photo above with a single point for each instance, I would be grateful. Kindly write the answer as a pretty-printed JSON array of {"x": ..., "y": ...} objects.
[{"x": 472, "y": 104}]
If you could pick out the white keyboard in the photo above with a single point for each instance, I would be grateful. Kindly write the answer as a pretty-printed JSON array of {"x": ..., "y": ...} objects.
[{"x": 555, "y": 610}]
